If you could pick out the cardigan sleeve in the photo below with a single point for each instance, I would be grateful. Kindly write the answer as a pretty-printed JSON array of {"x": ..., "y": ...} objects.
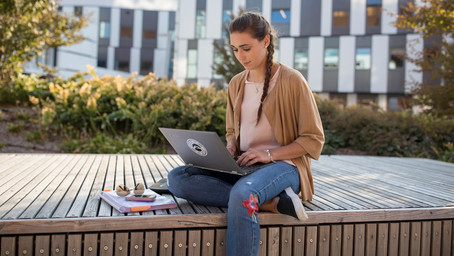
[
  {"x": 229, "y": 125},
  {"x": 310, "y": 129}
]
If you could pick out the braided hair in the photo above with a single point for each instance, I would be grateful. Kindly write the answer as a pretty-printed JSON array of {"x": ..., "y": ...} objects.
[{"x": 259, "y": 28}]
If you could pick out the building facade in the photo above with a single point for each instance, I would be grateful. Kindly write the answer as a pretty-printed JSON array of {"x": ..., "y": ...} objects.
[
  {"x": 122, "y": 37},
  {"x": 346, "y": 49}
]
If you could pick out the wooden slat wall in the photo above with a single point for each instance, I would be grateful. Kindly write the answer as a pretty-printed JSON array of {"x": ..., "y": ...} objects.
[{"x": 397, "y": 238}]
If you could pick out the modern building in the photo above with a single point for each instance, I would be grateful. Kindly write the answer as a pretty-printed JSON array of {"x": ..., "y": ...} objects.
[
  {"x": 122, "y": 37},
  {"x": 347, "y": 49}
]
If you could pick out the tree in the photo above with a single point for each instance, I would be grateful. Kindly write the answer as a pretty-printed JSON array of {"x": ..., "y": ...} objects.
[
  {"x": 434, "y": 19},
  {"x": 229, "y": 66},
  {"x": 30, "y": 27}
]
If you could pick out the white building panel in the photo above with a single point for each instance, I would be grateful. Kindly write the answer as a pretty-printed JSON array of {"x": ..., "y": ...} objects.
[
  {"x": 137, "y": 29},
  {"x": 73, "y": 62},
  {"x": 389, "y": 6},
  {"x": 415, "y": 44},
  {"x": 327, "y": 17},
  {"x": 181, "y": 60},
  {"x": 161, "y": 63},
  {"x": 379, "y": 64},
  {"x": 167, "y": 5},
  {"x": 287, "y": 51},
  {"x": 358, "y": 17},
  {"x": 266, "y": 9},
  {"x": 115, "y": 27},
  {"x": 315, "y": 66},
  {"x": 214, "y": 19},
  {"x": 187, "y": 13},
  {"x": 163, "y": 30},
  {"x": 134, "y": 60},
  {"x": 347, "y": 46},
  {"x": 205, "y": 58},
  {"x": 111, "y": 57},
  {"x": 295, "y": 15},
  {"x": 237, "y": 4}
]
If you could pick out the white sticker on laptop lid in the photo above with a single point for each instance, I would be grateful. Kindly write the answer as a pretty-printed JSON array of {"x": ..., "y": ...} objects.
[{"x": 197, "y": 147}]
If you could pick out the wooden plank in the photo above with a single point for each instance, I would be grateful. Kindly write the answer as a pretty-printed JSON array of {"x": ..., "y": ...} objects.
[
  {"x": 324, "y": 240},
  {"x": 383, "y": 237},
  {"x": 42, "y": 245},
  {"x": 263, "y": 245},
  {"x": 75, "y": 245},
  {"x": 194, "y": 242},
  {"x": 48, "y": 190},
  {"x": 94, "y": 197},
  {"x": 371, "y": 239},
  {"x": 91, "y": 244},
  {"x": 136, "y": 244},
  {"x": 8, "y": 245},
  {"x": 404, "y": 239},
  {"x": 311, "y": 240},
  {"x": 394, "y": 235},
  {"x": 25, "y": 245},
  {"x": 348, "y": 239},
  {"x": 415, "y": 239},
  {"x": 446, "y": 240},
  {"x": 220, "y": 242},
  {"x": 109, "y": 184},
  {"x": 181, "y": 245},
  {"x": 360, "y": 234},
  {"x": 286, "y": 240},
  {"x": 336, "y": 240},
  {"x": 426, "y": 237},
  {"x": 121, "y": 243},
  {"x": 106, "y": 244},
  {"x": 273, "y": 241},
  {"x": 208, "y": 242},
  {"x": 298, "y": 240},
  {"x": 165, "y": 243},
  {"x": 151, "y": 243},
  {"x": 119, "y": 178},
  {"x": 21, "y": 172},
  {"x": 58, "y": 245}
]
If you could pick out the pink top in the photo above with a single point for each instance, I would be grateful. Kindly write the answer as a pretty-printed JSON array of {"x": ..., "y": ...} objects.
[{"x": 260, "y": 136}]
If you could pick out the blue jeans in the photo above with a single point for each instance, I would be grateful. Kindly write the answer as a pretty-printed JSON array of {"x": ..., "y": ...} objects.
[{"x": 225, "y": 190}]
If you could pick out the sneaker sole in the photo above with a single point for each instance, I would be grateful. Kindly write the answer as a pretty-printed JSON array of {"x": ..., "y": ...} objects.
[{"x": 299, "y": 208}]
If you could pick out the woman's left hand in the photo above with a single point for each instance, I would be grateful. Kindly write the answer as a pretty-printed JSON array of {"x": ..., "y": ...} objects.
[{"x": 253, "y": 156}]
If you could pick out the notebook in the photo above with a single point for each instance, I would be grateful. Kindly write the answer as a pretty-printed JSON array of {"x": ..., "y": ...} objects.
[{"x": 205, "y": 150}]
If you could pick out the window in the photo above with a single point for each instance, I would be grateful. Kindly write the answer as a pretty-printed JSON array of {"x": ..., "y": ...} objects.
[
  {"x": 396, "y": 58},
  {"x": 200, "y": 24},
  {"x": 341, "y": 19},
  {"x": 78, "y": 10},
  {"x": 104, "y": 29},
  {"x": 226, "y": 19},
  {"x": 373, "y": 12},
  {"x": 280, "y": 16},
  {"x": 122, "y": 66},
  {"x": 218, "y": 59},
  {"x": 126, "y": 32},
  {"x": 301, "y": 59},
  {"x": 331, "y": 58},
  {"x": 192, "y": 63},
  {"x": 149, "y": 34},
  {"x": 146, "y": 67},
  {"x": 363, "y": 58}
]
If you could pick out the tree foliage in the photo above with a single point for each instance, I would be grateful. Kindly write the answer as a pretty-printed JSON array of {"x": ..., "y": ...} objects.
[
  {"x": 30, "y": 27},
  {"x": 229, "y": 66},
  {"x": 435, "y": 18}
]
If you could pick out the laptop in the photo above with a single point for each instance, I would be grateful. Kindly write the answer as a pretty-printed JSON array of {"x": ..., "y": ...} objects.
[{"x": 205, "y": 150}]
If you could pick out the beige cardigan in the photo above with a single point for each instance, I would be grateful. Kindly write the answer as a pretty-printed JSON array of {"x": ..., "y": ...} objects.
[{"x": 293, "y": 115}]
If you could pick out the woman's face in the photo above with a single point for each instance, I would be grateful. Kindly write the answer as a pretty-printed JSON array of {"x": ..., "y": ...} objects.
[{"x": 250, "y": 52}]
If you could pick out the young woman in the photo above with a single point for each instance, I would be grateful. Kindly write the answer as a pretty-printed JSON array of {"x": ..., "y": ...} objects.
[{"x": 271, "y": 117}]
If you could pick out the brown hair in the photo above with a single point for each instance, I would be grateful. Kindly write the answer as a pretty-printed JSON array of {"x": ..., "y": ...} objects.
[{"x": 256, "y": 25}]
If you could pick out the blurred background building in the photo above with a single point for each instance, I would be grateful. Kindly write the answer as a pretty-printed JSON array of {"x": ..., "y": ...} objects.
[{"x": 347, "y": 49}]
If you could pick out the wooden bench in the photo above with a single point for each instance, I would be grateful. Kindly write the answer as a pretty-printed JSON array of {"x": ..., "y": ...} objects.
[{"x": 50, "y": 205}]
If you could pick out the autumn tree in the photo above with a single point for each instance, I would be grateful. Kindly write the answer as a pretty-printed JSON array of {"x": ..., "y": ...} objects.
[
  {"x": 30, "y": 27},
  {"x": 433, "y": 19}
]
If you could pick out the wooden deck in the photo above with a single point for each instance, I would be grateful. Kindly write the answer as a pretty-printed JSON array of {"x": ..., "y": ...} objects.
[{"x": 50, "y": 205}]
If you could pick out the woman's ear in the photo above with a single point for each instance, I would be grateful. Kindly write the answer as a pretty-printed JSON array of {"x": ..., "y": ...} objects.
[{"x": 267, "y": 40}]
